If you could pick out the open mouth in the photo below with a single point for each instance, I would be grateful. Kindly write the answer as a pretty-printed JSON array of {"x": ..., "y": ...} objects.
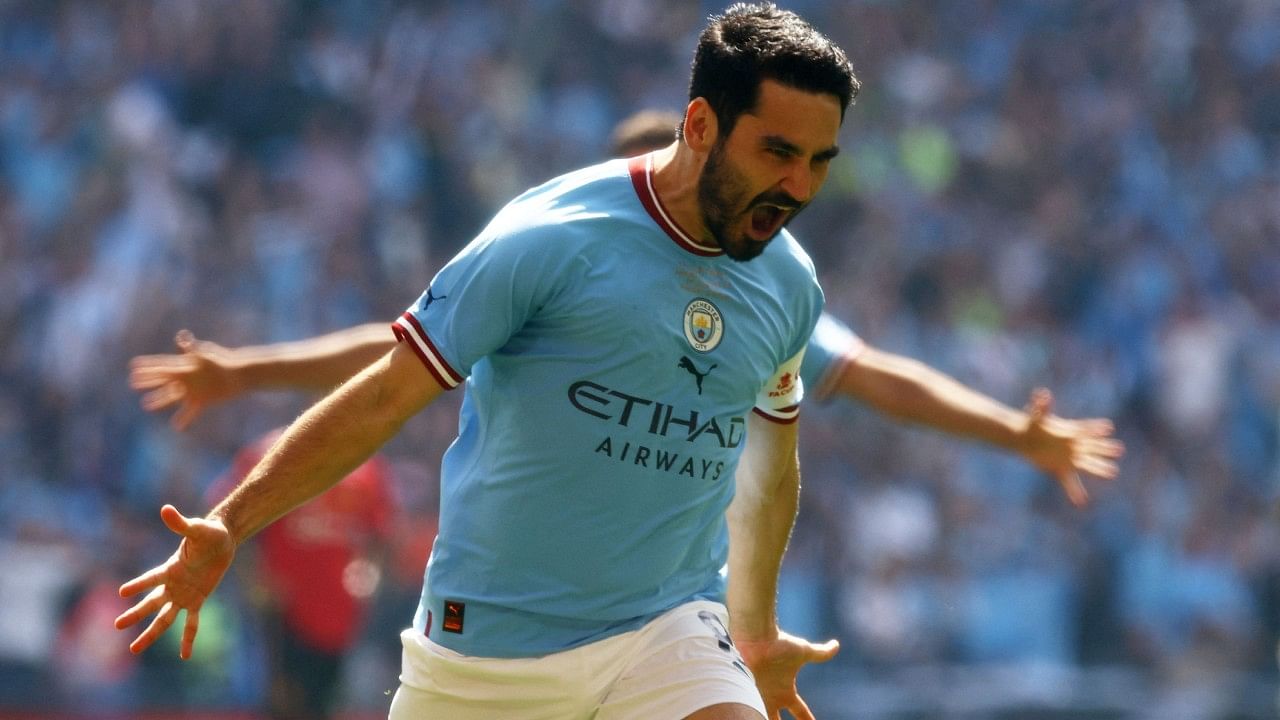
[{"x": 767, "y": 220}]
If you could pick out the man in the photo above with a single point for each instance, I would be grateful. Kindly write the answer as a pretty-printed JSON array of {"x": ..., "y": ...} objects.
[
  {"x": 583, "y": 528},
  {"x": 837, "y": 363}
]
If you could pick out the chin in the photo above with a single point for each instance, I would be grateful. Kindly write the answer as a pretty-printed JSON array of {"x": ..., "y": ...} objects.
[{"x": 744, "y": 249}]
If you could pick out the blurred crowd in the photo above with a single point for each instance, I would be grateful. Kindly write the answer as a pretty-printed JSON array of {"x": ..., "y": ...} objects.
[{"x": 1083, "y": 195}]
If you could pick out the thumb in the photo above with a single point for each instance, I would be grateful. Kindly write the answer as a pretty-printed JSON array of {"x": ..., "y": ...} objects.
[
  {"x": 1074, "y": 488},
  {"x": 185, "y": 340},
  {"x": 175, "y": 520},
  {"x": 824, "y": 652},
  {"x": 1040, "y": 405}
]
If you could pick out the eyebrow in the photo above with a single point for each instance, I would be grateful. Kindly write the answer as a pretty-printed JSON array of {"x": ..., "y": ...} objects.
[{"x": 777, "y": 142}]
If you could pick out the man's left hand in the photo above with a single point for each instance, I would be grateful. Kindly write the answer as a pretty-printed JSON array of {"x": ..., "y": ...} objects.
[{"x": 775, "y": 664}]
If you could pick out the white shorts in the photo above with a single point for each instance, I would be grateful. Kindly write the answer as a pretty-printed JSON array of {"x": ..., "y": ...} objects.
[{"x": 679, "y": 663}]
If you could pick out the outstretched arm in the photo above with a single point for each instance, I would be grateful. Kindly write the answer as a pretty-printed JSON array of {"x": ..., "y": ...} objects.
[
  {"x": 204, "y": 373},
  {"x": 320, "y": 448},
  {"x": 910, "y": 390},
  {"x": 760, "y": 521}
]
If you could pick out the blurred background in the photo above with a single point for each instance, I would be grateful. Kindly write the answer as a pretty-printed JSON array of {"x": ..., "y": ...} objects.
[{"x": 1078, "y": 194}]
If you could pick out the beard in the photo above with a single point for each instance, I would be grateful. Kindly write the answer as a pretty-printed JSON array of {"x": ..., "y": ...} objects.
[{"x": 722, "y": 198}]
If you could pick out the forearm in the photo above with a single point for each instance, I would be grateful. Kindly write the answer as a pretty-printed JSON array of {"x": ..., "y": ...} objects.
[
  {"x": 760, "y": 520},
  {"x": 324, "y": 445},
  {"x": 318, "y": 364},
  {"x": 914, "y": 392}
]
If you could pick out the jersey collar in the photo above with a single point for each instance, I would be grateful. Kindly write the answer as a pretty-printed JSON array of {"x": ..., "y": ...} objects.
[{"x": 641, "y": 169}]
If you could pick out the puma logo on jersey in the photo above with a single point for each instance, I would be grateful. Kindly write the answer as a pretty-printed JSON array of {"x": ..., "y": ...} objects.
[
  {"x": 430, "y": 299},
  {"x": 698, "y": 375}
]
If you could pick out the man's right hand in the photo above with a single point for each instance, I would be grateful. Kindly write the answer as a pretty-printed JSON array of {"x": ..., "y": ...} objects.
[
  {"x": 200, "y": 376},
  {"x": 183, "y": 582}
]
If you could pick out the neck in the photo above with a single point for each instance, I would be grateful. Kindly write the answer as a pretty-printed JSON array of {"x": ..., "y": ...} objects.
[{"x": 676, "y": 170}]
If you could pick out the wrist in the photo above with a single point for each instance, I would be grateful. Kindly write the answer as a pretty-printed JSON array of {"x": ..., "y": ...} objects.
[
  {"x": 238, "y": 371},
  {"x": 1015, "y": 426},
  {"x": 753, "y": 629},
  {"x": 218, "y": 517},
  {"x": 749, "y": 641}
]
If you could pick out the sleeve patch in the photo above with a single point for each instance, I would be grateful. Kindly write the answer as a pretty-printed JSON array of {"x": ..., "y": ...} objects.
[{"x": 780, "y": 397}]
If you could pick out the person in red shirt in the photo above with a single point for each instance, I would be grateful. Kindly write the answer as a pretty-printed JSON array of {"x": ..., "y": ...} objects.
[{"x": 313, "y": 577}]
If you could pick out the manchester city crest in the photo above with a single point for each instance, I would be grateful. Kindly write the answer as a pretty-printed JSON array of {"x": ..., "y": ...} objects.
[{"x": 703, "y": 325}]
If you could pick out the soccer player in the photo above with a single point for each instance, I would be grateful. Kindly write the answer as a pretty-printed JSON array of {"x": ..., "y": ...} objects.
[
  {"x": 837, "y": 363},
  {"x": 629, "y": 337}
]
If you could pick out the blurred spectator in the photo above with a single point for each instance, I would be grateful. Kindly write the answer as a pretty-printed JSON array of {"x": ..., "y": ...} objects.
[
  {"x": 92, "y": 669},
  {"x": 312, "y": 575},
  {"x": 40, "y": 570}
]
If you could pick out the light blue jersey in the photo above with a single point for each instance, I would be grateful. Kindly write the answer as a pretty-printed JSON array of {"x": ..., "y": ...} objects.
[
  {"x": 609, "y": 363},
  {"x": 830, "y": 347}
]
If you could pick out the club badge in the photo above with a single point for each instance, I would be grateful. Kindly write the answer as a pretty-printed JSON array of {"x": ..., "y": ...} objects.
[{"x": 703, "y": 325}]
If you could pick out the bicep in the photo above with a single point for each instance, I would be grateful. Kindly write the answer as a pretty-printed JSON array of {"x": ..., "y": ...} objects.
[
  {"x": 401, "y": 382},
  {"x": 769, "y": 459}
]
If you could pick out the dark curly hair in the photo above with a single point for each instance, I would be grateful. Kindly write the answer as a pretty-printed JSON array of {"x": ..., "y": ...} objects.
[{"x": 752, "y": 42}]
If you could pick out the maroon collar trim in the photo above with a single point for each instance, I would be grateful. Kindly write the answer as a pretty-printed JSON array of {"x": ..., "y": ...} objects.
[{"x": 641, "y": 169}]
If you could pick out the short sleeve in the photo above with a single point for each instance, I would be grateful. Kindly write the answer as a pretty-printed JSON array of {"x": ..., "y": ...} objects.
[
  {"x": 779, "y": 399},
  {"x": 479, "y": 300},
  {"x": 830, "y": 347}
]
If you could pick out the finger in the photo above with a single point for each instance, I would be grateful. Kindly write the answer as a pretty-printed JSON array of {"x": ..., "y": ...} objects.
[
  {"x": 148, "y": 579},
  {"x": 186, "y": 415},
  {"x": 152, "y": 378},
  {"x": 185, "y": 340},
  {"x": 150, "y": 368},
  {"x": 141, "y": 609},
  {"x": 175, "y": 520},
  {"x": 166, "y": 395},
  {"x": 146, "y": 378},
  {"x": 1097, "y": 427},
  {"x": 824, "y": 652},
  {"x": 157, "y": 627},
  {"x": 189, "y": 634},
  {"x": 1074, "y": 488},
  {"x": 1105, "y": 448},
  {"x": 1098, "y": 467},
  {"x": 800, "y": 709},
  {"x": 1040, "y": 405},
  {"x": 145, "y": 364}
]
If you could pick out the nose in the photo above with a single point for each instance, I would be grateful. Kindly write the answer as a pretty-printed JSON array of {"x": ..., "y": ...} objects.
[{"x": 798, "y": 182}]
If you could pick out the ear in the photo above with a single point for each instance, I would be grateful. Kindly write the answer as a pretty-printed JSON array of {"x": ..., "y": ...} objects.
[{"x": 700, "y": 126}]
